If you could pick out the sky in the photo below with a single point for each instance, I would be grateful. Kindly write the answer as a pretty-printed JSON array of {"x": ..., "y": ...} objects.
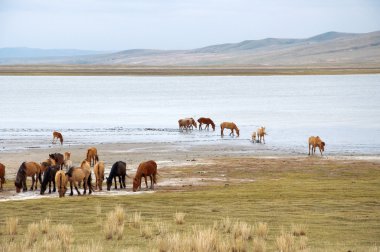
[{"x": 175, "y": 24}]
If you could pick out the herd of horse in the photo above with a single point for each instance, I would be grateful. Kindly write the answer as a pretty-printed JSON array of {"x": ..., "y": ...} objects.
[{"x": 58, "y": 170}]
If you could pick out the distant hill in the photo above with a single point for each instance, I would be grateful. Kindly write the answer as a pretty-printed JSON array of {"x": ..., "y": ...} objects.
[{"x": 331, "y": 48}]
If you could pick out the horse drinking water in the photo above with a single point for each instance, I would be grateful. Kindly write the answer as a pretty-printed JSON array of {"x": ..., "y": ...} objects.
[
  {"x": 229, "y": 125},
  {"x": 119, "y": 169}
]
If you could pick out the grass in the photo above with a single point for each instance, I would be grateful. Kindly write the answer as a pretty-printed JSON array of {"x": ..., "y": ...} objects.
[{"x": 336, "y": 206}]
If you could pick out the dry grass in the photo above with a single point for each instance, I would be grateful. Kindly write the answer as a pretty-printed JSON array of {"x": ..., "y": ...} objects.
[
  {"x": 285, "y": 242},
  {"x": 298, "y": 229},
  {"x": 90, "y": 247},
  {"x": 302, "y": 245},
  {"x": 65, "y": 235},
  {"x": 114, "y": 225},
  {"x": 261, "y": 230},
  {"x": 225, "y": 225},
  {"x": 32, "y": 234},
  {"x": 11, "y": 224},
  {"x": 179, "y": 218},
  {"x": 135, "y": 220},
  {"x": 146, "y": 231},
  {"x": 45, "y": 225},
  {"x": 258, "y": 245},
  {"x": 162, "y": 228},
  {"x": 242, "y": 230}
]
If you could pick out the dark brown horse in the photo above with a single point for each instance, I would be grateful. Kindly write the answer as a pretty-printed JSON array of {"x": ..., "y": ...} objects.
[
  {"x": 119, "y": 169},
  {"x": 27, "y": 169},
  {"x": 57, "y": 135},
  {"x": 2, "y": 176},
  {"x": 145, "y": 169},
  {"x": 49, "y": 176},
  {"x": 58, "y": 158},
  {"x": 206, "y": 121}
]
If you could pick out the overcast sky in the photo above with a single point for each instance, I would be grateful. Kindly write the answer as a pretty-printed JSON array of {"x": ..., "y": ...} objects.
[{"x": 175, "y": 24}]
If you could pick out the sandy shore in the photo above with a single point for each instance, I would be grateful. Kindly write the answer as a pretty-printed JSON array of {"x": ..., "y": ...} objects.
[{"x": 180, "y": 166}]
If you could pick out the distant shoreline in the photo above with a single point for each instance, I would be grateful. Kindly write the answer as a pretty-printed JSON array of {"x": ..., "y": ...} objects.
[{"x": 122, "y": 70}]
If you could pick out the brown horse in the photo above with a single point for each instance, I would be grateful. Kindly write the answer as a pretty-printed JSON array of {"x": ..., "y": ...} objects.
[
  {"x": 58, "y": 158},
  {"x": 2, "y": 176},
  {"x": 315, "y": 142},
  {"x": 145, "y": 169},
  {"x": 229, "y": 125},
  {"x": 99, "y": 175},
  {"x": 187, "y": 123},
  {"x": 206, "y": 121},
  {"x": 61, "y": 182},
  {"x": 57, "y": 135},
  {"x": 45, "y": 164},
  {"x": 80, "y": 174},
  {"x": 28, "y": 169},
  {"x": 261, "y": 133},
  {"x": 92, "y": 155},
  {"x": 67, "y": 163}
]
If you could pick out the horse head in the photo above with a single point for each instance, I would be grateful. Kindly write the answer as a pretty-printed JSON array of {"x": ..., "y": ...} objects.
[
  {"x": 237, "y": 131},
  {"x": 109, "y": 183},
  {"x": 323, "y": 146}
]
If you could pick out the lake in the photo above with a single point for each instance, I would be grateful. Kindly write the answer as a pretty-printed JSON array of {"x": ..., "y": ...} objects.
[{"x": 343, "y": 109}]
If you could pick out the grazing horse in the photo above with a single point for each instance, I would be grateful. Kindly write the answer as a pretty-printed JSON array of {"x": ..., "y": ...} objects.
[
  {"x": 145, "y": 169},
  {"x": 119, "y": 169},
  {"x": 315, "y": 142},
  {"x": 49, "y": 176},
  {"x": 2, "y": 176},
  {"x": 261, "y": 133},
  {"x": 99, "y": 175},
  {"x": 206, "y": 121},
  {"x": 92, "y": 155},
  {"x": 80, "y": 174},
  {"x": 187, "y": 123},
  {"x": 61, "y": 182},
  {"x": 45, "y": 164},
  {"x": 58, "y": 158},
  {"x": 229, "y": 125},
  {"x": 27, "y": 169},
  {"x": 57, "y": 135}
]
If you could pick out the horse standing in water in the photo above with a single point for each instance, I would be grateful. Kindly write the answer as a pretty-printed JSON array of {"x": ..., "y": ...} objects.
[
  {"x": 27, "y": 169},
  {"x": 315, "y": 142},
  {"x": 57, "y": 135},
  {"x": 145, "y": 169},
  {"x": 261, "y": 134},
  {"x": 206, "y": 121},
  {"x": 119, "y": 169},
  {"x": 187, "y": 123},
  {"x": 229, "y": 125}
]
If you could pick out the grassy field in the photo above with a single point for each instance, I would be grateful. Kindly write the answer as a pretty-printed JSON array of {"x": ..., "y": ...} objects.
[{"x": 336, "y": 203}]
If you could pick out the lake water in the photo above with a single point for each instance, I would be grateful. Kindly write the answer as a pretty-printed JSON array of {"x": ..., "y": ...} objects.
[{"x": 343, "y": 110}]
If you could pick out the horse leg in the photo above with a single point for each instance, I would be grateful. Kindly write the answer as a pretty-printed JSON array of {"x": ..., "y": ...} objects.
[
  {"x": 96, "y": 183},
  {"x": 146, "y": 183},
  {"x": 151, "y": 182},
  {"x": 221, "y": 131},
  {"x": 232, "y": 132},
  {"x": 121, "y": 184},
  {"x": 71, "y": 188},
  {"x": 264, "y": 139},
  {"x": 24, "y": 188},
  {"x": 320, "y": 151},
  {"x": 309, "y": 149},
  {"x": 76, "y": 187},
  {"x": 115, "y": 182},
  {"x": 49, "y": 186},
  {"x": 54, "y": 187},
  {"x": 33, "y": 181}
]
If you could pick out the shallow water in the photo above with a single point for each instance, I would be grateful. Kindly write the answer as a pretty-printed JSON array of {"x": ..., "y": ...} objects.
[{"x": 343, "y": 110}]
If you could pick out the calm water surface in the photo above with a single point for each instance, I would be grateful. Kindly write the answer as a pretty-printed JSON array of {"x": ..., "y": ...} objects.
[{"x": 343, "y": 110}]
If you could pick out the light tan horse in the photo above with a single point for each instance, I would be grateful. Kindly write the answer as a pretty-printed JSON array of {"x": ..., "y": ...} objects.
[
  {"x": 61, "y": 182},
  {"x": 28, "y": 169},
  {"x": 2, "y": 176},
  {"x": 145, "y": 169},
  {"x": 57, "y": 135},
  {"x": 92, "y": 155},
  {"x": 315, "y": 142},
  {"x": 229, "y": 125},
  {"x": 67, "y": 163},
  {"x": 99, "y": 175},
  {"x": 187, "y": 123},
  {"x": 254, "y": 137},
  {"x": 80, "y": 174},
  {"x": 261, "y": 133}
]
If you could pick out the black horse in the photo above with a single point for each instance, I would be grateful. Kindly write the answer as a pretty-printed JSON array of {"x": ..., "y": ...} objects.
[
  {"x": 58, "y": 158},
  {"x": 119, "y": 169},
  {"x": 49, "y": 176}
]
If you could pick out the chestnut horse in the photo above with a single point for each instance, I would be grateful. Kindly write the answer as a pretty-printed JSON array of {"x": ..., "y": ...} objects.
[
  {"x": 27, "y": 169},
  {"x": 206, "y": 121},
  {"x": 2, "y": 176},
  {"x": 99, "y": 175},
  {"x": 57, "y": 135},
  {"x": 58, "y": 158},
  {"x": 145, "y": 169},
  {"x": 229, "y": 125},
  {"x": 261, "y": 134},
  {"x": 92, "y": 155},
  {"x": 61, "y": 182},
  {"x": 315, "y": 142},
  {"x": 80, "y": 174},
  {"x": 119, "y": 169}
]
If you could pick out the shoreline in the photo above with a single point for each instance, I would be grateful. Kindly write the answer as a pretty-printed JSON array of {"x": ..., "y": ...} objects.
[{"x": 125, "y": 70}]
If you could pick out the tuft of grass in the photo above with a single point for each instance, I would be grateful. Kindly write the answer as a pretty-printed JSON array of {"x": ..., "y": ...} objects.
[
  {"x": 258, "y": 245},
  {"x": 135, "y": 220},
  {"x": 261, "y": 230},
  {"x": 45, "y": 225},
  {"x": 146, "y": 231},
  {"x": 65, "y": 234},
  {"x": 162, "y": 228},
  {"x": 179, "y": 218},
  {"x": 285, "y": 242},
  {"x": 32, "y": 234},
  {"x": 238, "y": 245},
  {"x": 225, "y": 225},
  {"x": 303, "y": 243},
  {"x": 114, "y": 225},
  {"x": 11, "y": 224},
  {"x": 90, "y": 246},
  {"x": 298, "y": 229},
  {"x": 242, "y": 230}
]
